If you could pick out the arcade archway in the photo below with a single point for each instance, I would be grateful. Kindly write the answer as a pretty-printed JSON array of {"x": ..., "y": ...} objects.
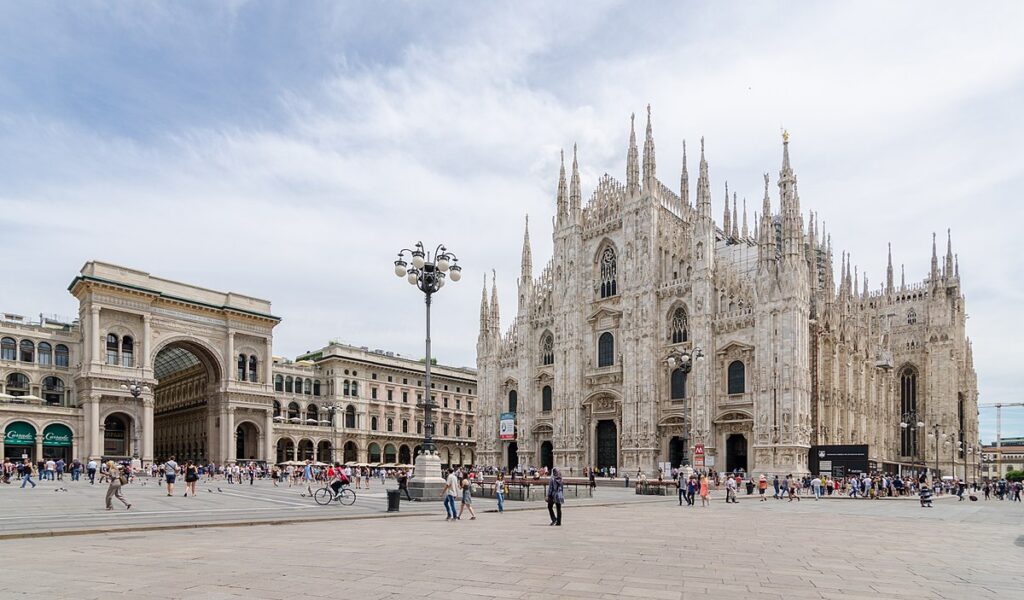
[{"x": 188, "y": 377}]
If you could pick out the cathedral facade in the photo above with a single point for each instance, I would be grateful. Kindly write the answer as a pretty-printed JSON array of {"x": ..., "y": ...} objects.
[{"x": 655, "y": 336}]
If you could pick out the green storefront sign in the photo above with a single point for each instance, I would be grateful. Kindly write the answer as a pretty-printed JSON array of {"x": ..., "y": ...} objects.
[
  {"x": 20, "y": 433},
  {"x": 57, "y": 435}
]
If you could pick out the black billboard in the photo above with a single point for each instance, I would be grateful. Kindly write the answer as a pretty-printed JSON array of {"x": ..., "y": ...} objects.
[{"x": 838, "y": 460}]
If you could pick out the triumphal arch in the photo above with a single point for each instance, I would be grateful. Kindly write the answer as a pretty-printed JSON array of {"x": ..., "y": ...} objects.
[{"x": 203, "y": 356}]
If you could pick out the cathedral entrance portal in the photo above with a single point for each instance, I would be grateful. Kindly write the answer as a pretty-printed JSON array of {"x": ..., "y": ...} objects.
[
  {"x": 607, "y": 444},
  {"x": 677, "y": 452},
  {"x": 736, "y": 453},
  {"x": 547, "y": 455},
  {"x": 513, "y": 456}
]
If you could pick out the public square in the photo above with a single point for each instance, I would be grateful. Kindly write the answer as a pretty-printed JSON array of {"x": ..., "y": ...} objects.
[{"x": 622, "y": 546}]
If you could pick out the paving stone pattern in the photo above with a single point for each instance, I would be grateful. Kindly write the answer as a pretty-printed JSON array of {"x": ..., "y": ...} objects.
[{"x": 828, "y": 549}]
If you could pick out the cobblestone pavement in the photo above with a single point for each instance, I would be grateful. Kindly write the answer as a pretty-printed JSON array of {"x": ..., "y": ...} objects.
[{"x": 771, "y": 550}]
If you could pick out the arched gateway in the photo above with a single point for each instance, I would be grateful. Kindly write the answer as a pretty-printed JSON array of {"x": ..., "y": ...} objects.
[{"x": 204, "y": 355}]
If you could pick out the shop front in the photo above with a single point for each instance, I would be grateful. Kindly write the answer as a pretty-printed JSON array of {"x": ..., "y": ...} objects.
[
  {"x": 20, "y": 441},
  {"x": 57, "y": 442}
]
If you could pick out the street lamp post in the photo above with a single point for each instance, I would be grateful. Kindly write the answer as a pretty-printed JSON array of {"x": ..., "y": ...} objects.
[
  {"x": 683, "y": 361},
  {"x": 910, "y": 419},
  {"x": 935, "y": 434},
  {"x": 428, "y": 273},
  {"x": 136, "y": 389}
]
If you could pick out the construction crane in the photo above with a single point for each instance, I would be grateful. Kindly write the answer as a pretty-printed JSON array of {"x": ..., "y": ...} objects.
[{"x": 999, "y": 432}]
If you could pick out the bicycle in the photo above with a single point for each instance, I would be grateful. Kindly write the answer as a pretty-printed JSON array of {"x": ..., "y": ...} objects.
[{"x": 326, "y": 495}]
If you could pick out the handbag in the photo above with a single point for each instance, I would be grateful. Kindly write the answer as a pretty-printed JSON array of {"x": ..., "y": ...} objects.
[{"x": 123, "y": 479}]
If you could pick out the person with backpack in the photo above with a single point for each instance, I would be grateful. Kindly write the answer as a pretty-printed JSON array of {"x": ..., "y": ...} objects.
[{"x": 170, "y": 473}]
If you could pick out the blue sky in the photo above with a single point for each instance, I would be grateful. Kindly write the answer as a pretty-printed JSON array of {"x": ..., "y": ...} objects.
[{"x": 287, "y": 150}]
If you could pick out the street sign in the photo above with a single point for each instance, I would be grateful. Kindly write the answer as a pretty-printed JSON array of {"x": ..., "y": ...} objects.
[
  {"x": 698, "y": 461},
  {"x": 698, "y": 450}
]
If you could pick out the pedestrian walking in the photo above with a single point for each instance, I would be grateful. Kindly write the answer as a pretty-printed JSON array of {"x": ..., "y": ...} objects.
[
  {"x": 816, "y": 487},
  {"x": 403, "y": 483},
  {"x": 25, "y": 471},
  {"x": 90, "y": 470},
  {"x": 762, "y": 487},
  {"x": 555, "y": 497},
  {"x": 730, "y": 490},
  {"x": 117, "y": 480},
  {"x": 499, "y": 492},
  {"x": 704, "y": 501},
  {"x": 449, "y": 493},
  {"x": 681, "y": 489},
  {"x": 467, "y": 498},
  {"x": 191, "y": 477},
  {"x": 170, "y": 473}
]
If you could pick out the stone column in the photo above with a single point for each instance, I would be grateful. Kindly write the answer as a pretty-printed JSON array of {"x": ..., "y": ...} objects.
[
  {"x": 145, "y": 343},
  {"x": 92, "y": 426},
  {"x": 268, "y": 367},
  {"x": 232, "y": 359},
  {"x": 268, "y": 437},
  {"x": 94, "y": 334},
  {"x": 295, "y": 451},
  {"x": 39, "y": 446},
  {"x": 147, "y": 430},
  {"x": 229, "y": 454}
]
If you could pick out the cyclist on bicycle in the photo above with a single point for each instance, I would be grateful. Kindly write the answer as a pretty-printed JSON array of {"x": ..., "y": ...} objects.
[{"x": 339, "y": 479}]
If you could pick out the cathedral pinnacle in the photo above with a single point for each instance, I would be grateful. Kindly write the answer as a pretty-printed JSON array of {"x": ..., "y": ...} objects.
[
  {"x": 527, "y": 264},
  {"x": 484, "y": 312},
  {"x": 935, "y": 262},
  {"x": 649, "y": 162},
  {"x": 746, "y": 231},
  {"x": 563, "y": 201},
  {"x": 888, "y": 272},
  {"x": 684, "y": 180},
  {"x": 735, "y": 218},
  {"x": 495, "y": 315},
  {"x": 575, "y": 196},
  {"x": 726, "y": 216},
  {"x": 632, "y": 161},
  {"x": 703, "y": 186},
  {"x": 948, "y": 270}
]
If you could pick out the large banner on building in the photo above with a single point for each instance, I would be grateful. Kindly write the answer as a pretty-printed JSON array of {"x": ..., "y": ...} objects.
[{"x": 508, "y": 426}]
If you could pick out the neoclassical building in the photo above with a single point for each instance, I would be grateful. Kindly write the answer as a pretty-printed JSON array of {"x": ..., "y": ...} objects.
[
  {"x": 215, "y": 391},
  {"x": 793, "y": 357}
]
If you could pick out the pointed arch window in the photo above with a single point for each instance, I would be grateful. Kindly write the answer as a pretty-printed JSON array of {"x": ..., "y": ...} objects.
[
  {"x": 45, "y": 353},
  {"x": 253, "y": 368},
  {"x": 911, "y": 317},
  {"x": 547, "y": 349},
  {"x": 678, "y": 328},
  {"x": 678, "y": 384},
  {"x": 113, "y": 345},
  {"x": 737, "y": 377},
  {"x": 545, "y": 399},
  {"x": 609, "y": 283},
  {"x": 513, "y": 401},
  {"x": 606, "y": 350},
  {"x": 127, "y": 351}
]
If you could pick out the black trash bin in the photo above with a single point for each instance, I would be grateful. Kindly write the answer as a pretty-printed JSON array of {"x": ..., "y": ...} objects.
[{"x": 394, "y": 499}]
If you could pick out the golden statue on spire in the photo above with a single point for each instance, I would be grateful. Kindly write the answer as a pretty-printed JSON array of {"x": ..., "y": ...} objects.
[{"x": 785, "y": 136}]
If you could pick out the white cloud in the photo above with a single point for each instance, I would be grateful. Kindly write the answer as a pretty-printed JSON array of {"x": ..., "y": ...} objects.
[{"x": 904, "y": 121}]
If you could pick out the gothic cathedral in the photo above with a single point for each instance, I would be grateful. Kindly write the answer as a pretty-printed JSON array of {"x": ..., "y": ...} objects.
[{"x": 655, "y": 335}]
